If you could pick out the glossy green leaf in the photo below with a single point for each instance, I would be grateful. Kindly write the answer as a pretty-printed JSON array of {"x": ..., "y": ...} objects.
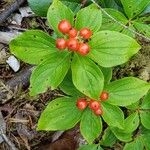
[
  {"x": 33, "y": 46},
  {"x": 142, "y": 28},
  {"x": 90, "y": 126},
  {"x": 126, "y": 91},
  {"x": 57, "y": 115},
  {"x": 57, "y": 12},
  {"x": 145, "y": 118},
  {"x": 107, "y": 72},
  {"x": 112, "y": 115},
  {"x": 131, "y": 123},
  {"x": 145, "y": 136},
  {"x": 134, "y": 106},
  {"x": 108, "y": 138},
  {"x": 87, "y": 77},
  {"x": 122, "y": 136},
  {"x": 137, "y": 144},
  {"x": 40, "y": 7},
  {"x": 110, "y": 48},
  {"x": 146, "y": 102},
  {"x": 90, "y": 17},
  {"x": 50, "y": 73},
  {"x": 134, "y": 7},
  {"x": 90, "y": 147},
  {"x": 109, "y": 24},
  {"x": 68, "y": 87}
]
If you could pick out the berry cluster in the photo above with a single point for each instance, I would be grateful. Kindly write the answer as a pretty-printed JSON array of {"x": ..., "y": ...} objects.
[
  {"x": 95, "y": 106},
  {"x": 76, "y": 41}
]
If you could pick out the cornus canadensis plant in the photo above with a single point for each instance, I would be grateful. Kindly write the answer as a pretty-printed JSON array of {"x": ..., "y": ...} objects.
[{"x": 72, "y": 61}]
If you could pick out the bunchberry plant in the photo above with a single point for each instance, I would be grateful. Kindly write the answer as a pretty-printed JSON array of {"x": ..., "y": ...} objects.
[{"x": 75, "y": 61}]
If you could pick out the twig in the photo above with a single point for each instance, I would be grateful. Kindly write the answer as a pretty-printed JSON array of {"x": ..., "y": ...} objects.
[
  {"x": 10, "y": 9},
  {"x": 121, "y": 24}
]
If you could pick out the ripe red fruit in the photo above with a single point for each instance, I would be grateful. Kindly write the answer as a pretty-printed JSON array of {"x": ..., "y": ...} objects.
[
  {"x": 81, "y": 103},
  {"x": 73, "y": 33},
  {"x": 61, "y": 43},
  {"x": 94, "y": 105},
  {"x": 64, "y": 26},
  {"x": 104, "y": 96},
  {"x": 84, "y": 49},
  {"x": 85, "y": 33},
  {"x": 73, "y": 44},
  {"x": 98, "y": 112}
]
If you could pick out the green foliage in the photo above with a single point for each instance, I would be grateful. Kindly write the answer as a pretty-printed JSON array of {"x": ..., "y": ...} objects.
[
  {"x": 88, "y": 76},
  {"x": 57, "y": 115},
  {"x": 90, "y": 126}
]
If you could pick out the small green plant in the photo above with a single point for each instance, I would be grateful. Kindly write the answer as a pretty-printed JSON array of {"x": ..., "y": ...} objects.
[{"x": 78, "y": 61}]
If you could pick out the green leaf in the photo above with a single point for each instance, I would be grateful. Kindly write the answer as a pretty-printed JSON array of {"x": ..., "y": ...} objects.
[
  {"x": 75, "y": 7},
  {"x": 50, "y": 73},
  {"x": 110, "y": 48},
  {"x": 33, "y": 46},
  {"x": 90, "y": 126},
  {"x": 107, "y": 72},
  {"x": 68, "y": 87},
  {"x": 145, "y": 118},
  {"x": 87, "y": 77},
  {"x": 145, "y": 139},
  {"x": 109, "y": 24},
  {"x": 128, "y": 32},
  {"x": 137, "y": 144},
  {"x": 126, "y": 91},
  {"x": 134, "y": 106},
  {"x": 112, "y": 115},
  {"x": 57, "y": 115},
  {"x": 57, "y": 12},
  {"x": 90, "y": 147},
  {"x": 40, "y": 7},
  {"x": 134, "y": 7},
  {"x": 90, "y": 17},
  {"x": 146, "y": 102},
  {"x": 108, "y": 139},
  {"x": 122, "y": 136},
  {"x": 142, "y": 28},
  {"x": 131, "y": 123}
]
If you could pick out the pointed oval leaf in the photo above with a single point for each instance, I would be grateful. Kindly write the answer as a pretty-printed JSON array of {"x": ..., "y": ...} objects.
[
  {"x": 126, "y": 91},
  {"x": 33, "y": 46},
  {"x": 89, "y": 17},
  {"x": 110, "y": 48},
  {"x": 57, "y": 12},
  {"x": 145, "y": 118},
  {"x": 86, "y": 76},
  {"x": 113, "y": 115},
  {"x": 137, "y": 144},
  {"x": 131, "y": 123},
  {"x": 108, "y": 138},
  {"x": 90, "y": 126},
  {"x": 121, "y": 135},
  {"x": 146, "y": 102},
  {"x": 57, "y": 115},
  {"x": 134, "y": 7},
  {"x": 109, "y": 24},
  {"x": 50, "y": 73}
]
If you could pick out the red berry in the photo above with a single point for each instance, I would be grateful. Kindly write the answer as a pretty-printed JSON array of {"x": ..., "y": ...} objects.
[
  {"x": 85, "y": 33},
  {"x": 64, "y": 26},
  {"x": 94, "y": 105},
  {"x": 98, "y": 112},
  {"x": 82, "y": 103},
  {"x": 73, "y": 44},
  {"x": 84, "y": 49},
  {"x": 104, "y": 96},
  {"x": 61, "y": 43},
  {"x": 73, "y": 33}
]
